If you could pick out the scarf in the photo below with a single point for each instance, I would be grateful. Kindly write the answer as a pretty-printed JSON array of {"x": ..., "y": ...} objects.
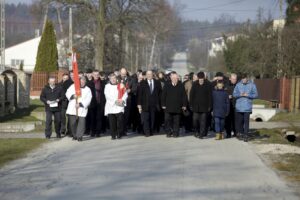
[{"x": 121, "y": 90}]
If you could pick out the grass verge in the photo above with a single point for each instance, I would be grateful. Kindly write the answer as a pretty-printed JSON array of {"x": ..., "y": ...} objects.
[
  {"x": 24, "y": 115},
  {"x": 286, "y": 165},
  {"x": 12, "y": 149},
  {"x": 286, "y": 117}
]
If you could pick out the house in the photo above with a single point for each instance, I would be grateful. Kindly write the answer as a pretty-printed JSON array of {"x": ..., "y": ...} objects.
[
  {"x": 218, "y": 45},
  {"x": 25, "y": 54}
]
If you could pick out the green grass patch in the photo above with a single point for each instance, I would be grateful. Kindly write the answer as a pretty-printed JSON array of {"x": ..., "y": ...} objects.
[
  {"x": 289, "y": 164},
  {"x": 12, "y": 149},
  {"x": 274, "y": 136},
  {"x": 262, "y": 102},
  {"x": 24, "y": 115},
  {"x": 286, "y": 117}
]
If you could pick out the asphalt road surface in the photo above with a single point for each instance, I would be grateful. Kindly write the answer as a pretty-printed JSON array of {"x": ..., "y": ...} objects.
[{"x": 139, "y": 168}]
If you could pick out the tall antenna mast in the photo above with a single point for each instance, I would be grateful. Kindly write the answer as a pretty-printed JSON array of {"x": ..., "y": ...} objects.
[{"x": 2, "y": 35}]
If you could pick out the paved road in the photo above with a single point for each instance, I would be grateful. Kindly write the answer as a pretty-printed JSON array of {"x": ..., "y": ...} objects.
[
  {"x": 180, "y": 63},
  {"x": 138, "y": 168}
]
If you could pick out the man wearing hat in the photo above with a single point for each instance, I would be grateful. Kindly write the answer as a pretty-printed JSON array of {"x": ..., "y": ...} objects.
[{"x": 200, "y": 104}]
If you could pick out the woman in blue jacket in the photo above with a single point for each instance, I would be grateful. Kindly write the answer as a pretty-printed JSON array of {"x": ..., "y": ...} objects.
[
  {"x": 220, "y": 108},
  {"x": 244, "y": 92}
]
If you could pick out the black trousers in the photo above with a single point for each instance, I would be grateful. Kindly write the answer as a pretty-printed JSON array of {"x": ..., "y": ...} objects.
[
  {"x": 148, "y": 121},
  {"x": 97, "y": 119},
  {"x": 57, "y": 122},
  {"x": 63, "y": 124},
  {"x": 200, "y": 123},
  {"x": 230, "y": 122},
  {"x": 172, "y": 123},
  {"x": 116, "y": 125},
  {"x": 242, "y": 120},
  {"x": 188, "y": 122},
  {"x": 89, "y": 120},
  {"x": 127, "y": 114}
]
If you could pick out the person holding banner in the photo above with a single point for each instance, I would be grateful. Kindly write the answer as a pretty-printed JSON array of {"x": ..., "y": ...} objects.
[
  {"x": 79, "y": 101},
  {"x": 116, "y": 96}
]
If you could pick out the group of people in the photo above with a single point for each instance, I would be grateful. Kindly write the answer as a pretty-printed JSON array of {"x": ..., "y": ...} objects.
[{"x": 146, "y": 102}]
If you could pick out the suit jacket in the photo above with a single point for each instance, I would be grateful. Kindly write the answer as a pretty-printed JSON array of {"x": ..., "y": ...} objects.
[{"x": 148, "y": 100}]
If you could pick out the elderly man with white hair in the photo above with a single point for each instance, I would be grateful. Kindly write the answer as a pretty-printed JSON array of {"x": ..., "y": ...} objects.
[
  {"x": 78, "y": 108},
  {"x": 230, "y": 119}
]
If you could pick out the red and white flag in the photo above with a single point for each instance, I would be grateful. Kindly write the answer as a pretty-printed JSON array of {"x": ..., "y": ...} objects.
[{"x": 76, "y": 75}]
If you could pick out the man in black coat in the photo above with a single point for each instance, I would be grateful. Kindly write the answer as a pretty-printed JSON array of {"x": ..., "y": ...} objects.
[
  {"x": 91, "y": 117},
  {"x": 174, "y": 102},
  {"x": 52, "y": 96},
  {"x": 149, "y": 102},
  {"x": 99, "y": 103},
  {"x": 230, "y": 119},
  {"x": 131, "y": 88},
  {"x": 65, "y": 84},
  {"x": 200, "y": 104}
]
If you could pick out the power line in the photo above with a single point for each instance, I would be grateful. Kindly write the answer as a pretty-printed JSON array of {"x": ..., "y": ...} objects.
[{"x": 215, "y": 6}]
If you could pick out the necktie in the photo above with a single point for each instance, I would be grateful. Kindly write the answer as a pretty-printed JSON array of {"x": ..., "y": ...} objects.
[{"x": 151, "y": 87}]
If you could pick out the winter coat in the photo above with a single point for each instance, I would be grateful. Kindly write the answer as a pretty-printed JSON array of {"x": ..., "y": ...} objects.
[
  {"x": 49, "y": 94},
  {"x": 244, "y": 104},
  {"x": 201, "y": 97},
  {"x": 174, "y": 98},
  {"x": 111, "y": 95},
  {"x": 220, "y": 103},
  {"x": 84, "y": 101}
]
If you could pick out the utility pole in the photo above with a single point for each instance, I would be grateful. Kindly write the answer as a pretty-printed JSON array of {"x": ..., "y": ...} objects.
[
  {"x": 280, "y": 58},
  {"x": 2, "y": 35},
  {"x": 70, "y": 35}
]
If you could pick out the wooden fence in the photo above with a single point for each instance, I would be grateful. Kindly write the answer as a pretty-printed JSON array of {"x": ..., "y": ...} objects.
[
  {"x": 284, "y": 92},
  {"x": 40, "y": 79}
]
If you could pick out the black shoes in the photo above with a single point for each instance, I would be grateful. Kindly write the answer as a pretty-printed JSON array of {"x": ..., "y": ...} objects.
[
  {"x": 79, "y": 139},
  {"x": 48, "y": 137},
  {"x": 58, "y": 136},
  {"x": 74, "y": 138}
]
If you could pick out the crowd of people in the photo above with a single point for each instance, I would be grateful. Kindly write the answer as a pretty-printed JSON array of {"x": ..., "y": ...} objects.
[{"x": 148, "y": 103}]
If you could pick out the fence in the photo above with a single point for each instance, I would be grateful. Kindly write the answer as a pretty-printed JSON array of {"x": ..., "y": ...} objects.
[
  {"x": 284, "y": 92},
  {"x": 40, "y": 79}
]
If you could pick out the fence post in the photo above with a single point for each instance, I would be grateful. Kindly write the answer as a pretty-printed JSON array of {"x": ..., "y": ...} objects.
[{"x": 297, "y": 96}]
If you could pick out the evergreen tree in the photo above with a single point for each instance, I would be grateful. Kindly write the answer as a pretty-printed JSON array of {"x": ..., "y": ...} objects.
[
  {"x": 293, "y": 12},
  {"x": 47, "y": 56}
]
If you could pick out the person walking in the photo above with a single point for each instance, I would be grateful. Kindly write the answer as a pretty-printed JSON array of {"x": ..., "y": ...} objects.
[
  {"x": 78, "y": 108},
  {"x": 149, "y": 102},
  {"x": 52, "y": 96},
  {"x": 200, "y": 104},
  {"x": 116, "y": 96},
  {"x": 244, "y": 92},
  {"x": 174, "y": 102},
  {"x": 230, "y": 119},
  {"x": 220, "y": 108}
]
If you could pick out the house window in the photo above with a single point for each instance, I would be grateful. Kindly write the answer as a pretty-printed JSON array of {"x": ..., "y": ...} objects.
[{"x": 16, "y": 62}]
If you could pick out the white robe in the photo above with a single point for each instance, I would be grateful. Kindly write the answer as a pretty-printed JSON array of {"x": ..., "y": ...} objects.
[
  {"x": 84, "y": 99},
  {"x": 111, "y": 95}
]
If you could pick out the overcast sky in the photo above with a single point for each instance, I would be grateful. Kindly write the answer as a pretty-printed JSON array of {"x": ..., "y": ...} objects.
[{"x": 211, "y": 9}]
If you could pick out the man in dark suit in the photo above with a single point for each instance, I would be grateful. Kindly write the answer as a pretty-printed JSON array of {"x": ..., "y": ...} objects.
[
  {"x": 149, "y": 102},
  {"x": 174, "y": 102},
  {"x": 200, "y": 104},
  {"x": 99, "y": 103},
  {"x": 131, "y": 88},
  {"x": 91, "y": 117},
  {"x": 52, "y": 96}
]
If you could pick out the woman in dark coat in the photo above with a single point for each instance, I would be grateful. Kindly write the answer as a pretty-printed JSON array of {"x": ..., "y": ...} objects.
[{"x": 220, "y": 108}]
